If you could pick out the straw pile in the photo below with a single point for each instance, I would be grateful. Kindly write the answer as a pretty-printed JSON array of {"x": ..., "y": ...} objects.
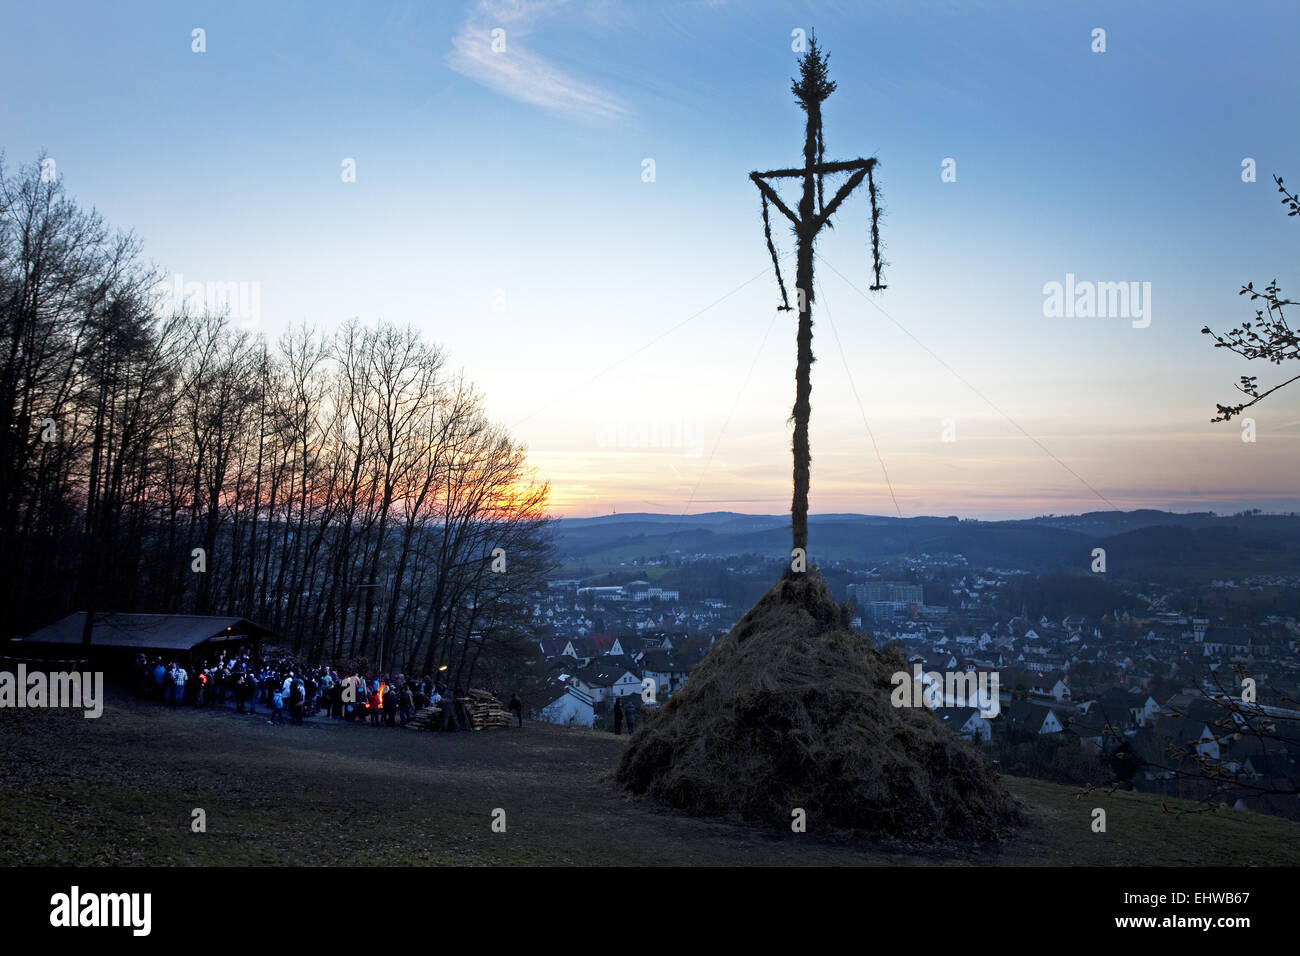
[{"x": 792, "y": 710}]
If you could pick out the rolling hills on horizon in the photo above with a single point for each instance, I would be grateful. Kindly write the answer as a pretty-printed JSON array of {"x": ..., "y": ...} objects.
[{"x": 1149, "y": 543}]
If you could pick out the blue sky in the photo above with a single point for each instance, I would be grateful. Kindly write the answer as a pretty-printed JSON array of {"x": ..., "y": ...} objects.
[{"x": 514, "y": 178}]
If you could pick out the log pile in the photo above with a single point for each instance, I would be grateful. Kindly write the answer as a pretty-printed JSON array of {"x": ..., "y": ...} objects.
[
  {"x": 426, "y": 718},
  {"x": 485, "y": 711}
]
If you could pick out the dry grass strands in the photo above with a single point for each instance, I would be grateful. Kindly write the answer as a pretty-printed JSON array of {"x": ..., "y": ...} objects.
[{"x": 792, "y": 709}]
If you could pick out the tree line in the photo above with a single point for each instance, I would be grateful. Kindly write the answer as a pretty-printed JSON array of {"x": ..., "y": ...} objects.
[{"x": 347, "y": 490}]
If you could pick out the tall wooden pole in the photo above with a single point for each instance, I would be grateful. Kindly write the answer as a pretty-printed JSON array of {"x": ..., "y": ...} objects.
[
  {"x": 810, "y": 90},
  {"x": 803, "y": 367}
]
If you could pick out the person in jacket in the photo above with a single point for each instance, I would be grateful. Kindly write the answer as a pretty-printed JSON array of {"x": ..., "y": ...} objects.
[
  {"x": 179, "y": 679},
  {"x": 408, "y": 704}
]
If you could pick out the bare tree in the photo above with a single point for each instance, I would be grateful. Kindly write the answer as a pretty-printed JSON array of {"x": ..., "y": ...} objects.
[
  {"x": 1270, "y": 337},
  {"x": 345, "y": 489}
]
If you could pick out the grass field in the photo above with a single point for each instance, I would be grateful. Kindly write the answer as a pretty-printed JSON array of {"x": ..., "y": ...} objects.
[{"x": 121, "y": 790}]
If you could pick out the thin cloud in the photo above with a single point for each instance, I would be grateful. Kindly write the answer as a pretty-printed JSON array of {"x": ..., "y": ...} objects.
[{"x": 520, "y": 74}]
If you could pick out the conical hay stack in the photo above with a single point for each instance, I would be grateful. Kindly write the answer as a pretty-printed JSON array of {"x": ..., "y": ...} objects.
[{"x": 792, "y": 709}]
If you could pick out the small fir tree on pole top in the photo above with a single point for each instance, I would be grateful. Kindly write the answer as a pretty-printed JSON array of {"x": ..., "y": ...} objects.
[{"x": 814, "y": 83}]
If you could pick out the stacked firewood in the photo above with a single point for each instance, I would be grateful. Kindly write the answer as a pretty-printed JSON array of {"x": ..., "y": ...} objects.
[
  {"x": 425, "y": 718},
  {"x": 486, "y": 711}
]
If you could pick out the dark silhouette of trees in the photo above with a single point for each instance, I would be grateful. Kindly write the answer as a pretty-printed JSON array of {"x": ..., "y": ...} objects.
[
  {"x": 346, "y": 490},
  {"x": 1269, "y": 337}
]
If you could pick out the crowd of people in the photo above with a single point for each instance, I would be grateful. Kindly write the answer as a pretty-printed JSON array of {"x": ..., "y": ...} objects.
[{"x": 301, "y": 690}]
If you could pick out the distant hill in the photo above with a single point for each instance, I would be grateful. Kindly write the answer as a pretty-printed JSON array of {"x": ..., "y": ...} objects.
[{"x": 1144, "y": 544}]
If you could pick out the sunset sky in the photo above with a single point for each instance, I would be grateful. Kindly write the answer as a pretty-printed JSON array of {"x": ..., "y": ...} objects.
[{"x": 500, "y": 206}]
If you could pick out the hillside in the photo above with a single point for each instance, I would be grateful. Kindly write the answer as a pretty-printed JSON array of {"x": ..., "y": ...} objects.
[{"x": 121, "y": 789}]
